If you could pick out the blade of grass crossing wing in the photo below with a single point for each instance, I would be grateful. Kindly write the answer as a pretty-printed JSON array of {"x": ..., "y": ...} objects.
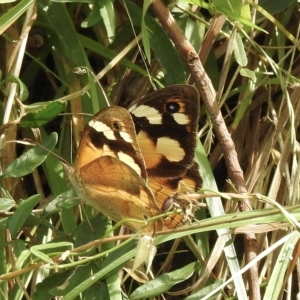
[{"x": 216, "y": 209}]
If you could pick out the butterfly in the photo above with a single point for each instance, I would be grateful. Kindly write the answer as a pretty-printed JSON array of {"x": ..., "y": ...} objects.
[{"x": 131, "y": 161}]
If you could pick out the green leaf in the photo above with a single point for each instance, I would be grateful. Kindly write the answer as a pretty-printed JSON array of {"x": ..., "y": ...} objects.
[
  {"x": 90, "y": 231},
  {"x": 274, "y": 6},
  {"x": 63, "y": 201},
  {"x": 107, "y": 13},
  {"x": 53, "y": 245},
  {"x": 22, "y": 257},
  {"x": 21, "y": 252},
  {"x": 13, "y": 14},
  {"x": 92, "y": 19},
  {"x": 4, "y": 223},
  {"x": 112, "y": 264},
  {"x": 23, "y": 91},
  {"x": 7, "y": 1},
  {"x": 231, "y": 7},
  {"x": 247, "y": 73},
  {"x": 145, "y": 37},
  {"x": 43, "y": 288},
  {"x": 239, "y": 51},
  {"x": 282, "y": 264},
  {"x": 228, "y": 9},
  {"x": 6, "y": 204},
  {"x": 108, "y": 53},
  {"x": 81, "y": 274},
  {"x": 42, "y": 113},
  {"x": 205, "y": 291},
  {"x": 41, "y": 256},
  {"x": 68, "y": 49},
  {"x": 21, "y": 214},
  {"x": 163, "y": 49},
  {"x": 32, "y": 158},
  {"x": 193, "y": 30},
  {"x": 163, "y": 283}
]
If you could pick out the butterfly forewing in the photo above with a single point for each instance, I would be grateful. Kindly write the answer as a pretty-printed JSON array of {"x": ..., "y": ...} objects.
[
  {"x": 111, "y": 132},
  {"x": 110, "y": 172},
  {"x": 166, "y": 127}
]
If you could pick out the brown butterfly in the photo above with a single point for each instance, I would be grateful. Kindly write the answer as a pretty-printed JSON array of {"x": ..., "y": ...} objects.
[{"x": 129, "y": 162}]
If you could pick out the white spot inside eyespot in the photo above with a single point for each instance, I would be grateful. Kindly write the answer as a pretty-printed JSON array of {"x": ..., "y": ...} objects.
[
  {"x": 170, "y": 149},
  {"x": 128, "y": 160},
  {"x": 152, "y": 114},
  {"x": 181, "y": 119},
  {"x": 101, "y": 127},
  {"x": 126, "y": 136}
]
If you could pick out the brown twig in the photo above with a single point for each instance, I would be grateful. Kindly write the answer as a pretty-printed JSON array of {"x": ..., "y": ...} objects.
[{"x": 208, "y": 95}]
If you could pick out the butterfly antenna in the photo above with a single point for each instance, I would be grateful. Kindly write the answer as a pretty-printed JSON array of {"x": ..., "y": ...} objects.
[{"x": 84, "y": 70}]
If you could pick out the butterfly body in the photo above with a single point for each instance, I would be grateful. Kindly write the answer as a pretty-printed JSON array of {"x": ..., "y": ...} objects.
[{"x": 129, "y": 162}]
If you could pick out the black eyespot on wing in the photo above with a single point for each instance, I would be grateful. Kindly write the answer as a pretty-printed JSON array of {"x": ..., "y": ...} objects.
[
  {"x": 172, "y": 107},
  {"x": 116, "y": 126}
]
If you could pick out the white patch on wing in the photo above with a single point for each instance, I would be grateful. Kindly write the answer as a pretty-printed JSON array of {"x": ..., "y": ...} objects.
[
  {"x": 109, "y": 134},
  {"x": 106, "y": 148},
  {"x": 126, "y": 136},
  {"x": 152, "y": 114},
  {"x": 128, "y": 160},
  {"x": 107, "y": 151},
  {"x": 132, "y": 108},
  {"x": 170, "y": 149},
  {"x": 98, "y": 126},
  {"x": 181, "y": 119},
  {"x": 101, "y": 127}
]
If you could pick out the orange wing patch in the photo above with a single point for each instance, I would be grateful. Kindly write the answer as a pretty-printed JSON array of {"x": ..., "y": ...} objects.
[
  {"x": 170, "y": 195},
  {"x": 114, "y": 188}
]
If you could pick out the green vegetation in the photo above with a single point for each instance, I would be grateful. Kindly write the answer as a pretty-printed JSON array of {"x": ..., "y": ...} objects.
[{"x": 60, "y": 62}]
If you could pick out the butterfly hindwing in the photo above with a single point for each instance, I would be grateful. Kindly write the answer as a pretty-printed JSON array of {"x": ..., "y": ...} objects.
[{"x": 115, "y": 189}]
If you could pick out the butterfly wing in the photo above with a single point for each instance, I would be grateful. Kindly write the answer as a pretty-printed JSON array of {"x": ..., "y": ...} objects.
[
  {"x": 110, "y": 173},
  {"x": 166, "y": 124},
  {"x": 111, "y": 132}
]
